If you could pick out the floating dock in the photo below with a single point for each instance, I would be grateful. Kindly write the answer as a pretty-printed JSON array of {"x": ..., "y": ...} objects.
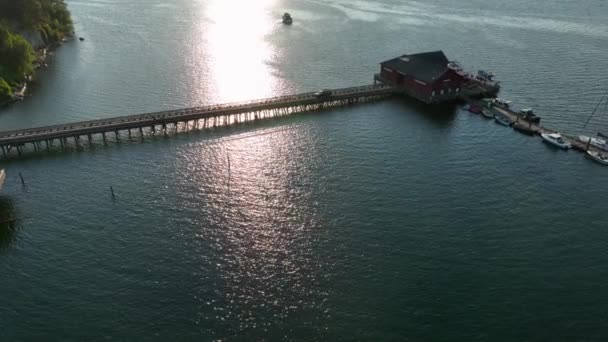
[{"x": 539, "y": 129}]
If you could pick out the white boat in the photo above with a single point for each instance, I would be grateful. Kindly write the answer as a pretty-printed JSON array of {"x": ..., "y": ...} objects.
[
  {"x": 502, "y": 103},
  {"x": 596, "y": 142},
  {"x": 503, "y": 120},
  {"x": 598, "y": 157},
  {"x": 2, "y": 177},
  {"x": 556, "y": 140}
]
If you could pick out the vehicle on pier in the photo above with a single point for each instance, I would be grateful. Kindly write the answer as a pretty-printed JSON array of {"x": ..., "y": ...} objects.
[
  {"x": 596, "y": 142},
  {"x": 528, "y": 115},
  {"x": 489, "y": 76},
  {"x": 598, "y": 157},
  {"x": 556, "y": 139},
  {"x": 503, "y": 120},
  {"x": 523, "y": 128},
  {"x": 323, "y": 93},
  {"x": 287, "y": 19}
]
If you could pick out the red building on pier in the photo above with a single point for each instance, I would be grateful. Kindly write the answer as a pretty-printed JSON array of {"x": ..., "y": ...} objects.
[{"x": 428, "y": 76}]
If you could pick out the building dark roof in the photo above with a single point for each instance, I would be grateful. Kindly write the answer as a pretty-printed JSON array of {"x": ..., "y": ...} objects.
[{"x": 426, "y": 66}]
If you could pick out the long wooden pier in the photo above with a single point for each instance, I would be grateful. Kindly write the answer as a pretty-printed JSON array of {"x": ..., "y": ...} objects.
[{"x": 40, "y": 138}]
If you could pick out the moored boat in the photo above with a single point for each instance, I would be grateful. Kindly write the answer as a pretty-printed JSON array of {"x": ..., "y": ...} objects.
[
  {"x": 556, "y": 139},
  {"x": 487, "y": 114},
  {"x": 596, "y": 142},
  {"x": 523, "y": 128},
  {"x": 503, "y": 120},
  {"x": 474, "y": 109},
  {"x": 598, "y": 157}
]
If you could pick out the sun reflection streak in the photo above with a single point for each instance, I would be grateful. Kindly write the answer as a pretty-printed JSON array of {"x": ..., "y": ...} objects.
[{"x": 239, "y": 54}]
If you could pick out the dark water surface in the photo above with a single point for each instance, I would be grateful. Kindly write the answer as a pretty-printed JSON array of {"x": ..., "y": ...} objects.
[{"x": 385, "y": 221}]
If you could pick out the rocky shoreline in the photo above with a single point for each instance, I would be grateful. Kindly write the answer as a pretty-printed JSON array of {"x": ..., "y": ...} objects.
[{"x": 42, "y": 53}]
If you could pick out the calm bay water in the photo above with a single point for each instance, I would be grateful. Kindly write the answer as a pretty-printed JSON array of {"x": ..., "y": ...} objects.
[{"x": 385, "y": 221}]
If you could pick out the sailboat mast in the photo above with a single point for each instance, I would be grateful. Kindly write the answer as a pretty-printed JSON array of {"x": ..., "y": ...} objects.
[{"x": 595, "y": 109}]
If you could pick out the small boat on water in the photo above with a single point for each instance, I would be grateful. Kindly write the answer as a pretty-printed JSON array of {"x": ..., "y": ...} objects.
[
  {"x": 523, "y": 128},
  {"x": 503, "y": 120},
  {"x": 598, "y": 157},
  {"x": 487, "y": 114},
  {"x": 2, "y": 177},
  {"x": 556, "y": 139},
  {"x": 596, "y": 142},
  {"x": 287, "y": 20}
]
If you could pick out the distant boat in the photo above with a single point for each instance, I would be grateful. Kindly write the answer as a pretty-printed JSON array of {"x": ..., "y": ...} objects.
[
  {"x": 596, "y": 142},
  {"x": 81, "y": 39},
  {"x": 598, "y": 157},
  {"x": 503, "y": 120},
  {"x": 487, "y": 114},
  {"x": 556, "y": 139},
  {"x": 287, "y": 20},
  {"x": 2, "y": 177},
  {"x": 523, "y": 129}
]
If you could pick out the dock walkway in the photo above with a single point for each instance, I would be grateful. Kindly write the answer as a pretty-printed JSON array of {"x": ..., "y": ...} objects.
[
  {"x": 539, "y": 129},
  {"x": 198, "y": 117}
]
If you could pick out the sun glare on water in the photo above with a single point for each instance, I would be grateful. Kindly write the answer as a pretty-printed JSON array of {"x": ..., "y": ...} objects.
[{"x": 240, "y": 54}]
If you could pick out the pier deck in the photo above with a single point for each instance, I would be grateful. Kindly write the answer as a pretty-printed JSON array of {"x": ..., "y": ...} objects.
[
  {"x": 540, "y": 129},
  {"x": 219, "y": 114}
]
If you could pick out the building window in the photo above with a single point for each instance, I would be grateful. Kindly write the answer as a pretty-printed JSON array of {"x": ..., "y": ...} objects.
[
  {"x": 433, "y": 93},
  {"x": 457, "y": 90},
  {"x": 441, "y": 92}
]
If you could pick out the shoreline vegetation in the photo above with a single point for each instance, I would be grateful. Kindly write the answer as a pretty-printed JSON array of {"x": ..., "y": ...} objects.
[{"x": 28, "y": 28}]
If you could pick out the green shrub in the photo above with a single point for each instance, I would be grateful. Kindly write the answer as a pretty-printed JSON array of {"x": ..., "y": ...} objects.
[{"x": 6, "y": 93}]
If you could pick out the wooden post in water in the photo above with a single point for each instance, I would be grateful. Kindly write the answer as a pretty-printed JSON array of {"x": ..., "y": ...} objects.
[
  {"x": 22, "y": 180},
  {"x": 112, "y": 192},
  {"x": 3, "y": 151}
]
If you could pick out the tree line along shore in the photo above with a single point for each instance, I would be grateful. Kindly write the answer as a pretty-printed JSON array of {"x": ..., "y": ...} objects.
[{"x": 27, "y": 28}]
